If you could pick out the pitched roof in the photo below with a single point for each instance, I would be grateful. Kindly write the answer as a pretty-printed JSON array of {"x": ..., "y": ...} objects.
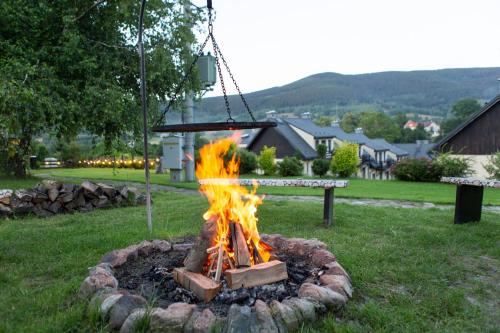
[
  {"x": 384, "y": 145},
  {"x": 416, "y": 150},
  {"x": 466, "y": 123}
]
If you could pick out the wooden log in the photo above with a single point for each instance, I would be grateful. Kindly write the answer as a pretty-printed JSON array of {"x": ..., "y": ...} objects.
[
  {"x": 256, "y": 255},
  {"x": 202, "y": 286},
  {"x": 256, "y": 275},
  {"x": 218, "y": 270},
  {"x": 197, "y": 256},
  {"x": 240, "y": 246}
]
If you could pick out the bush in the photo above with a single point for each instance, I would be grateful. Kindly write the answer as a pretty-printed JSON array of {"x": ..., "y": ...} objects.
[
  {"x": 453, "y": 166},
  {"x": 321, "y": 150},
  {"x": 290, "y": 166},
  {"x": 417, "y": 170},
  {"x": 493, "y": 166},
  {"x": 267, "y": 160},
  {"x": 248, "y": 161},
  {"x": 320, "y": 167},
  {"x": 345, "y": 160}
]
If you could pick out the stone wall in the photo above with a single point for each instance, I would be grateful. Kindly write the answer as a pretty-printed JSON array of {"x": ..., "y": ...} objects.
[{"x": 52, "y": 197}]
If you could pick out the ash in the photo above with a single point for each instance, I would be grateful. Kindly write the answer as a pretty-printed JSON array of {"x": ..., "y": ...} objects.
[{"x": 151, "y": 276}]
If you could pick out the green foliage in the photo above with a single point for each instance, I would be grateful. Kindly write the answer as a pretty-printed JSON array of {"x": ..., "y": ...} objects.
[
  {"x": 379, "y": 125},
  {"x": 345, "y": 160},
  {"x": 267, "y": 160},
  {"x": 411, "y": 136},
  {"x": 417, "y": 170},
  {"x": 74, "y": 67},
  {"x": 248, "y": 161},
  {"x": 453, "y": 166},
  {"x": 321, "y": 150},
  {"x": 320, "y": 167},
  {"x": 323, "y": 121},
  {"x": 461, "y": 111},
  {"x": 290, "y": 166},
  {"x": 350, "y": 121},
  {"x": 493, "y": 166}
]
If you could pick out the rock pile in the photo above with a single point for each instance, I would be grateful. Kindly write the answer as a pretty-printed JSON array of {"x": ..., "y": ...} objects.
[{"x": 52, "y": 197}]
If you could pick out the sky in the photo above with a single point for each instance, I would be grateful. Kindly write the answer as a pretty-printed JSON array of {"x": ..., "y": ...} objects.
[{"x": 275, "y": 42}]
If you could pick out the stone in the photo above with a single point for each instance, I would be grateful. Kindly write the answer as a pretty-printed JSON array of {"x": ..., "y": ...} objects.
[
  {"x": 51, "y": 184},
  {"x": 53, "y": 193},
  {"x": 40, "y": 212},
  {"x": 55, "y": 207},
  {"x": 302, "y": 247},
  {"x": 182, "y": 247},
  {"x": 162, "y": 245},
  {"x": 66, "y": 197},
  {"x": 107, "y": 189},
  {"x": 22, "y": 207},
  {"x": 23, "y": 195},
  {"x": 275, "y": 240},
  {"x": 80, "y": 200},
  {"x": 334, "y": 268},
  {"x": 39, "y": 197},
  {"x": 117, "y": 258},
  {"x": 329, "y": 298},
  {"x": 145, "y": 247},
  {"x": 337, "y": 282},
  {"x": 5, "y": 197},
  {"x": 306, "y": 308},
  {"x": 90, "y": 188},
  {"x": 171, "y": 319},
  {"x": 321, "y": 257},
  {"x": 100, "y": 295},
  {"x": 238, "y": 319},
  {"x": 67, "y": 188},
  {"x": 129, "y": 326},
  {"x": 101, "y": 201},
  {"x": 123, "y": 308},
  {"x": 201, "y": 322},
  {"x": 284, "y": 316},
  {"x": 264, "y": 321},
  {"x": 107, "y": 303},
  {"x": 5, "y": 210},
  {"x": 95, "y": 282}
]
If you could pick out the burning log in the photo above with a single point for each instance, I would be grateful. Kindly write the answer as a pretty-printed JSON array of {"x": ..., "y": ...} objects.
[
  {"x": 203, "y": 287},
  {"x": 218, "y": 271},
  {"x": 256, "y": 275},
  {"x": 240, "y": 246},
  {"x": 197, "y": 257}
]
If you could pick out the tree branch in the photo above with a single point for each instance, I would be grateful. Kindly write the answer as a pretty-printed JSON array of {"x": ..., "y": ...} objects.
[{"x": 96, "y": 3}]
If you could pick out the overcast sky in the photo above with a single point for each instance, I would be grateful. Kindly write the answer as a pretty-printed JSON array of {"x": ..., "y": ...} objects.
[{"x": 275, "y": 42}]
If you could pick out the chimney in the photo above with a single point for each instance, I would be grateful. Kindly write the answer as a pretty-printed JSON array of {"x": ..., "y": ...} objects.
[
  {"x": 306, "y": 115},
  {"x": 359, "y": 130},
  {"x": 335, "y": 123},
  {"x": 271, "y": 114}
]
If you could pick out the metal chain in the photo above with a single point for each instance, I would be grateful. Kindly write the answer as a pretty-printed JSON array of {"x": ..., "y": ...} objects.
[
  {"x": 187, "y": 75},
  {"x": 221, "y": 78},
  {"x": 216, "y": 47}
]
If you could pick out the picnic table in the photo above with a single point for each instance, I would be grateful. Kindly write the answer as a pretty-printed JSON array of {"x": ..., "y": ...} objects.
[
  {"x": 327, "y": 185},
  {"x": 469, "y": 197}
]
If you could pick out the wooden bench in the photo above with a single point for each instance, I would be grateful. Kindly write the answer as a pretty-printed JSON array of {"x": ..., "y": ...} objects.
[
  {"x": 327, "y": 185},
  {"x": 469, "y": 197}
]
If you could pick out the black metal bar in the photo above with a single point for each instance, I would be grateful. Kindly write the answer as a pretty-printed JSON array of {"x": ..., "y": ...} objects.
[
  {"x": 328, "y": 207},
  {"x": 209, "y": 4},
  {"x": 468, "y": 203},
  {"x": 219, "y": 126},
  {"x": 144, "y": 115}
]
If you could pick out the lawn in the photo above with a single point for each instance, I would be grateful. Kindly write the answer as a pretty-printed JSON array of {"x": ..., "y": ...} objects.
[
  {"x": 7, "y": 182},
  {"x": 358, "y": 188},
  {"x": 413, "y": 270}
]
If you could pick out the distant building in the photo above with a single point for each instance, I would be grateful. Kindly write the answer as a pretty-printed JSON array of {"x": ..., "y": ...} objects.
[
  {"x": 301, "y": 136},
  {"x": 477, "y": 138},
  {"x": 429, "y": 126}
]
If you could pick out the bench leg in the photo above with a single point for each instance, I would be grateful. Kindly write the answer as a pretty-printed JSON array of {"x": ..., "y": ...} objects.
[
  {"x": 468, "y": 203},
  {"x": 328, "y": 207}
]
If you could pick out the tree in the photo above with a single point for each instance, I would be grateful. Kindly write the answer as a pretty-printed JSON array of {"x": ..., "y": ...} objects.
[
  {"x": 267, "y": 160},
  {"x": 321, "y": 150},
  {"x": 379, "y": 125},
  {"x": 411, "y": 136},
  {"x": 74, "y": 67},
  {"x": 345, "y": 160},
  {"x": 248, "y": 161},
  {"x": 290, "y": 166},
  {"x": 461, "y": 111},
  {"x": 493, "y": 166},
  {"x": 323, "y": 121},
  {"x": 349, "y": 122},
  {"x": 320, "y": 167}
]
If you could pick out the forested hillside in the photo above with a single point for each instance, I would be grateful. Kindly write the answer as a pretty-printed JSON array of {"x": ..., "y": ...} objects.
[{"x": 424, "y": 92}]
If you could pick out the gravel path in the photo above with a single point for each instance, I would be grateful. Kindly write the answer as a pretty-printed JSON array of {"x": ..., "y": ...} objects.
[{"x": 303, "y": 198}]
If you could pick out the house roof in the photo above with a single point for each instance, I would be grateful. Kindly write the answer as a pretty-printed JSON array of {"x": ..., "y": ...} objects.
[
  {"x": 295, "y": 140},
  {"x": 384, "y": 145},
  {"x": 416, "y": 150},
  {"x": 466, "y": 123}
]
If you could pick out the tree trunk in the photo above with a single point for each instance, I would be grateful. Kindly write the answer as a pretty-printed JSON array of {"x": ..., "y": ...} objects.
[{"x": 17, "y": 163}]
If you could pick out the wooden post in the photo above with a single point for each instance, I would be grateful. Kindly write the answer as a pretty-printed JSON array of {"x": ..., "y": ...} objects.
[
  {"x": 468, "y": 203},
  {"x": 328, "y": 207}
]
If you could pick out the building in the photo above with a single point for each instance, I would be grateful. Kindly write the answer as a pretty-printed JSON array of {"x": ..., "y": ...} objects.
[
  {"x": 430, "y": 127},
  {"x": 301, "y": 136},
  {"x": 477, "y": 138}
]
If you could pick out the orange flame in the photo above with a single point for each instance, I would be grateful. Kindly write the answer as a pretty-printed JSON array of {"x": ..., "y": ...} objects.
[{"x": 229, "y": 202}]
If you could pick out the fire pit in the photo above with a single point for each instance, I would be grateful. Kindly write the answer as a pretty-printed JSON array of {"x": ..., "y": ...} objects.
[{"x": 229, "y": 278}]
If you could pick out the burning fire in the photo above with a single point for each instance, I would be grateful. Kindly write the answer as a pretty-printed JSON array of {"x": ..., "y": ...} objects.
[{"x": 230, "y": 202}]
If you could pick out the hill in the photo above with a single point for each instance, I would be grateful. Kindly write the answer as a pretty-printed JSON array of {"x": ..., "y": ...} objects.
[{"x": 422, "y": 92}]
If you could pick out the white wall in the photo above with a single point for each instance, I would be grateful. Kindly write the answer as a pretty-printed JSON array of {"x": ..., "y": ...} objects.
[
  {"x": 477, "y": 165},
  {"x": 306, "y": 136}
]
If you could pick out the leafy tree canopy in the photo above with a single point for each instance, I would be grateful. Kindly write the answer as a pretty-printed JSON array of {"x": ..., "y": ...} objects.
[{"x": 461, "y": 111}]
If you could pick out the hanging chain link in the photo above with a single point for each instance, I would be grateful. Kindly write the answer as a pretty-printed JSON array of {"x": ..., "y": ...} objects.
[{"x": 221, "y": 78}]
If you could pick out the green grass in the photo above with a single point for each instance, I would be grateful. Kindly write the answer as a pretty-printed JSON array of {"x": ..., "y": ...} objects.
[
  {"x": 8, "y": 182},
  {"x": 358, "y": 188},
  {"x": 412, "y": 270}
]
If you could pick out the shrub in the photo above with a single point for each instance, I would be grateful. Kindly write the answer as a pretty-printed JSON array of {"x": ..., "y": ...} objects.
[
  {"x": 267, "y": 160},
  {"x": 453, "y": 166},
  {"x": 248, "y": 161},
  {"x": 290, "y": 166},
  {"x": 493, "y": 166},
  {"x": 417, "y": 170},
  {"x": 345, "y": 160},
  {"x": 320, "y": 167},
  {"x": 321, "y": 150}
]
